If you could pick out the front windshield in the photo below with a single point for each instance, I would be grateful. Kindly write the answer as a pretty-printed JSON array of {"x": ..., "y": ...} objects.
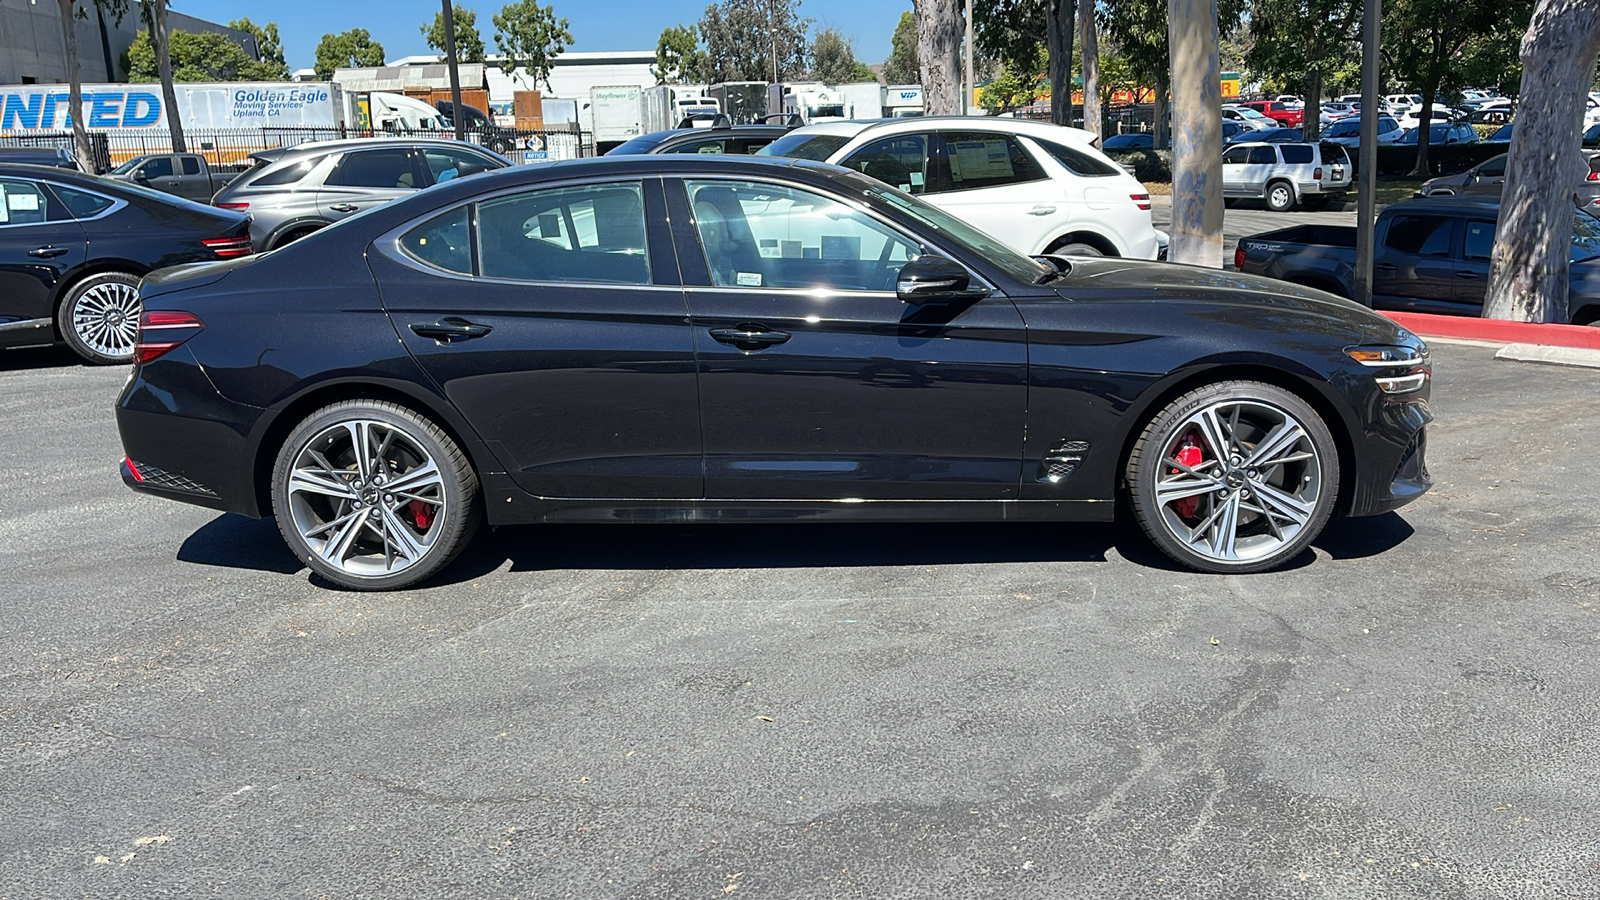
[
  {"x": 815, "y": 147},
  {"x": 129, "y": 166},
  {"x": 1014, "y": 264}
]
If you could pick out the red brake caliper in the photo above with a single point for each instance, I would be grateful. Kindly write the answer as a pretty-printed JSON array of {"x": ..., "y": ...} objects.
[
  {"x": 1189, "y": 455},
  {"x": 421, "y": 513}
]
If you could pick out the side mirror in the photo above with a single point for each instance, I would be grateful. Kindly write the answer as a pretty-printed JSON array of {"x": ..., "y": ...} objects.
[
  {"x": 935, "y": 279},
  {"x": 139, "y": 175}
]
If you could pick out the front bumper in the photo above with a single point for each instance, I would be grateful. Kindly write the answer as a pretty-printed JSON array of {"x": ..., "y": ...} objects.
[{"x": 1393, "y": 470}]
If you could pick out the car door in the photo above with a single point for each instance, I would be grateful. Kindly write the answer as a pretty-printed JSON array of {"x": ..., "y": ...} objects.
[
  {"x": 157, "y": 173},
  {"x": 1472, "y": 269},
  {"x": 369, "y": 177},
  {"x": 1487, "y": 178},
  {"x": 40, "y": 242},
  {"x": 1235, "y": 162},
  {"x": 990, "y": 181},
  {"x": 1413, "y": 267},
  {"x": 816, "y": 381},
  {"x": 560, "y": 333}
]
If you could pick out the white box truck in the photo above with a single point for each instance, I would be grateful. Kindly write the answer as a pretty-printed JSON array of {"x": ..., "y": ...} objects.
[
  {"x": 862, "y": 99},
  {"x": 812, "y": 101},
  {"x": 902, "y": 100},
  {"x": 668, "y": 105},
  {"x": 28, "y": 108},
  {"x": 614, "y": 115}
]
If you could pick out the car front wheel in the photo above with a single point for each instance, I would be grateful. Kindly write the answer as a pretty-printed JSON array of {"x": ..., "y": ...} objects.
[
  {"x": 1234, "y": 477},
  {"x": 373, "y": 496}
]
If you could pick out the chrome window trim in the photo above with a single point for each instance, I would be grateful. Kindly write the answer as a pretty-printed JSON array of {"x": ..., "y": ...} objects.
[{"x": 116, "y": 204}]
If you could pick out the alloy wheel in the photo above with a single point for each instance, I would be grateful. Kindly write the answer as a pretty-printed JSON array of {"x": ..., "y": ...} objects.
[
  {"x": 105, "y": 317},
  {"x": 366, "y": 498},
  {"x": 1239, "y": 481}
]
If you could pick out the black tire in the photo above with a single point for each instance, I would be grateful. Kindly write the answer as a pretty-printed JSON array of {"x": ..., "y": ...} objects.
[
  {"x": 431, "y": 528},
  {"x": 99, "y": 317},
  {"x": 500, "y": 145},
  {"x": 290, "y": 237},
  {"x": 1280, "y": 196},
  {"x": 1276, "y": 508},
  {"x": 1075, "y": 249}
]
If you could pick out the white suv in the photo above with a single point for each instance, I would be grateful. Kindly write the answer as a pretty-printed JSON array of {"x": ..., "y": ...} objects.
[{"x": 1037, "y": 188}]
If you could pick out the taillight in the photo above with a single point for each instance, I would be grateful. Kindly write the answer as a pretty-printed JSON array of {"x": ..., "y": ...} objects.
[
  {"x": 132, "y": 469},
  {"x": 1316, "y": 174},
  {"x": 161, "y": 330},
  {"x": 1140, "y": 200},
  {"x": 1594, "y": 176},
  {"x": 1238, "y": 258},
  {"x": 229, "y": 247},
  {"x": 237, "y": 206}
]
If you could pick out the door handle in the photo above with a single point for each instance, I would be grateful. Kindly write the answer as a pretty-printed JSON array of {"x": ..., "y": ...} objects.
[
  {"x": 1471, "y": 276},
  {"x": 49, "y": 252},
  {"x": 450, "y": 329},
  {"x": 752, "y": 335},
  {"x": 1384, "y": 267},
  {"x": 1043, "y": 209},
  {"x": 344, "y": 207}
]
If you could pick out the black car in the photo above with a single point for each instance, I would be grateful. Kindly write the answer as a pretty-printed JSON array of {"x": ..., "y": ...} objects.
[
  {"x": 1270, "y": 135},
  {"x": 734, "y": 339},
  {"x": 55, "y": 157},
  {"x": 73, "y": 248},
  {"x": 723, "y": 137}
]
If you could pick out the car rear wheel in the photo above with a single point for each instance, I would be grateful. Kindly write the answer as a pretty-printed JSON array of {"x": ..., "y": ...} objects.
[
  {"x": 1280, "y": 197},
  {"x": 1074, "y": 248},
  {"x": 99, "y": 317},
  {"x": 373, "y": 496},
  {"x": 1234, "y": 477}
]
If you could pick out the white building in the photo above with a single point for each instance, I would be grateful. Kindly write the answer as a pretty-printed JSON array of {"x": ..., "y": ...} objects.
[{"x": 570, "y": 78}]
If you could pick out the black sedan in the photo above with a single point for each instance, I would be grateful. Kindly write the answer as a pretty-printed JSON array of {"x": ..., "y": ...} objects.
[
  {"x": 73, "y": 248},
  {"x": 723, "y": 137},
  {"x": 728, "y": 339}
]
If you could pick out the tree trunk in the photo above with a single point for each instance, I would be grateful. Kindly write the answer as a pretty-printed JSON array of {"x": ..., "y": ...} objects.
[
  {"x": 1425, "y": 128},
  {"x": 1091, "y": 67},
  {"x": 1161, "y": 130},
  {"x": 169, "y": 94},
  {"x": 939, "y": 28},
  {"x": 1058, "y": 43},
  {"x": 1196, "y": 132},
  {"x": 1528, "y": 266},
  {"x": 69, "y": 40},
  {"x": 1311, "y": 126}
]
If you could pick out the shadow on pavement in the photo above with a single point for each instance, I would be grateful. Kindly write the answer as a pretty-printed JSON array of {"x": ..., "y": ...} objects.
[
  {"x": 1364, "y": 537},
  {"x": 237, "y": 542},
  {"x": 25, "y": 358}
]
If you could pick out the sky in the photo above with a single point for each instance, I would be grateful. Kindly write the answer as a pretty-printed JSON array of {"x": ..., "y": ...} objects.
[{"x": 596, "y": 25}]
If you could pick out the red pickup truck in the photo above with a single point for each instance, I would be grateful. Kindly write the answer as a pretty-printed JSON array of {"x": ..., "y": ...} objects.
[{"x": 1272, "y": 109}]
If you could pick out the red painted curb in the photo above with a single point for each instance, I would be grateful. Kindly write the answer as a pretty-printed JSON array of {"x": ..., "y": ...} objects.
[{"x": 1498, "y": 330}]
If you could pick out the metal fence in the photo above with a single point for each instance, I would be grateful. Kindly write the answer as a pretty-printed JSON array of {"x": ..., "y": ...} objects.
[{"x": 231, "y": 148}]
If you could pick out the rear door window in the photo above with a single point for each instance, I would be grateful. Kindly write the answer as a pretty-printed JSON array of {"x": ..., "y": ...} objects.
[
  {"x": 1479, "y": 240},
  {"x": 191, "y": 165},
  {"x": 1262, "y": 156},
  {"x": 1420, "y": 235},
  {"x": 982, "y": 160},
  {"x": 391, "y": 167},
  {"x": 27, "y": 203},
  {"x": 589, "y": 233}
]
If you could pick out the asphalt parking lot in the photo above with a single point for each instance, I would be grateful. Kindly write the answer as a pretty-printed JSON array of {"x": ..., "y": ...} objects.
[{"x": 808, "y": 711}]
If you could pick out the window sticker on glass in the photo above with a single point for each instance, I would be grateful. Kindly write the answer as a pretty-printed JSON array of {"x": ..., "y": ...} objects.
[
  {"x": 21, "y": 202},
  {"x": 916, "y": 179},
  {"x": 973, "y": 160},
  {"x": 748, "y": 279},
  {"x": 840, "y": 247}
]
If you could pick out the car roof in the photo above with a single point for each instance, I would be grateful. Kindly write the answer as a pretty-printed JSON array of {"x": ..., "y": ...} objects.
[
  {"x": 1029, "y": 127},
  {"x": 348, "y": 143},
  {"x": 1451, "y": 203}
]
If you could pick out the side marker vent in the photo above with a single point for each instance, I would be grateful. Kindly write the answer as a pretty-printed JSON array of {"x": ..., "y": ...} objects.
[{"x": 1062, "y": 460}]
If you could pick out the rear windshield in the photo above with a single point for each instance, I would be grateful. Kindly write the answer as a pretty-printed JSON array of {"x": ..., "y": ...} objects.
[
  {"x": 1334, "y": 154},
  {"x": 289, "y": 174},
  {"x": 816, "y": 147}
]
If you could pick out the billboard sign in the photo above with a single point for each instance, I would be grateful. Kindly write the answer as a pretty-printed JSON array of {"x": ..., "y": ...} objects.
[{"x": 110, "y": 107}]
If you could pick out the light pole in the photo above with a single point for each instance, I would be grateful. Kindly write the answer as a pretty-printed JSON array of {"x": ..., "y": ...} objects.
[{"x": 1367, "y": 153}]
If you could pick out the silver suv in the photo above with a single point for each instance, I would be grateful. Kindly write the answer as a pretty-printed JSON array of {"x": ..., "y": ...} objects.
[
  {"x": 291, "y": 193},
  {"x": 1285, "y": 175}
]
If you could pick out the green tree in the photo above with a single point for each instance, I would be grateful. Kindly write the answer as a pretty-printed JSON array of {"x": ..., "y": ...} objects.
[
  {"x": 1427, "y": 41},
  {"x": 1013, "y": 88},
  {"x": 530, "y": 37},
  {"x": 1300, "y": 44},
  {"x": 902, "y": 66},
  {"x": 206, "y": 56},
  {"x": 351, "y": 49},
  {"x": 268, "y": 47},
  {"x": 833, "y": 60},
  {"x": 754, "y": 40},
  {"x": 678, "y": 55},
  {"x": 469, "y": 43}
]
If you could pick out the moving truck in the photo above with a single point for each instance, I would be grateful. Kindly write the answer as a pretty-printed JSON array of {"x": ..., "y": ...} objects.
[
  {"x": 667, "y": 105},
  {"x": 614, "y": 115},
  {"x": 862, "y": 99},
  {"x": 744, "y": 102},
  {"x": 812, "y": 101}
]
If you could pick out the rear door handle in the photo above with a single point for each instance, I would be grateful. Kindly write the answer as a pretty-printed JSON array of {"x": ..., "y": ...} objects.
[
  {"x": 1384, "y": 267},
  {"x": 49, "y": 252},
  {"x": 344, "y": 207},
  {"x": 450, "y": 329},
  {"x": 749, "y": 335},
  {"x": 1043, "y": 209}
]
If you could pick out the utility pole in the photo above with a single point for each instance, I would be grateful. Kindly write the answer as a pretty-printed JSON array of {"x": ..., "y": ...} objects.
[
  {"x": 1367, "y": 169},
  {"x": 968, "y": 86},
  {"x": 457, "y": 119}
]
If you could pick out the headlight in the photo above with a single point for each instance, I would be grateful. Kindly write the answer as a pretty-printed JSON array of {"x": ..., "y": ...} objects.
[{"x": 1397, "y": 370}]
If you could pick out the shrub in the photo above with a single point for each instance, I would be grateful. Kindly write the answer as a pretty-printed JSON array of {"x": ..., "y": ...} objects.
[{"x": 1147, "y": 165}]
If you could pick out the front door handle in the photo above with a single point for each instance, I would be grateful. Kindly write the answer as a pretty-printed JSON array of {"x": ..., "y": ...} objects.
[
  {"x": 49, "y": 252},
  {"x": 1043, "y": 209},
  {"x": 344, "y": 207},
  {"x": 450, "y": 329},
  {"x": 1384, "y": 267},
  {"x": 1471, "y": 276},
  {"x": 749, "y": 336}
]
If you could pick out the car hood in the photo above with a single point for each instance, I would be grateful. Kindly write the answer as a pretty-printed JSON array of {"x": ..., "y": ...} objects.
[{"x": 1251, "y": 300}]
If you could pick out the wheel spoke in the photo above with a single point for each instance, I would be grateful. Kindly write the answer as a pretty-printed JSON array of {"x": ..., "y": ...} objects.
[
  {"x": 1282, "y": 439},
  {"x": 1211, "y": 430},
  {"x": 402, "y": 538},
  {"x": 1225, "y": 532},
  {"x": 1178, "y": 489},
  {"x": 418, "y": 479},
  {"x": 325, "y": 484},
  {"x": 1280, "y": 505}
]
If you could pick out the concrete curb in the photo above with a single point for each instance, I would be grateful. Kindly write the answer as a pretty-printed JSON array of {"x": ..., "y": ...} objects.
[{"x": 1552, "y": 356}]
